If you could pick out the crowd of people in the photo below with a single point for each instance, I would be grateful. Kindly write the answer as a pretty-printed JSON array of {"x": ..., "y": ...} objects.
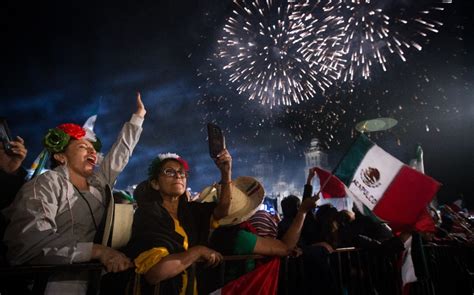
[{"x": 58, "y": 218}]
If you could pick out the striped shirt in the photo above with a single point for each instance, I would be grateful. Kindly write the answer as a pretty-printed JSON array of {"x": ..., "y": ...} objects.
[{"x": 264, "y": 223}]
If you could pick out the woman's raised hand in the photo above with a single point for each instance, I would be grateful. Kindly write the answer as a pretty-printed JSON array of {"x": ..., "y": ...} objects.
[
  {"x": 224, "y": 163},
  {"x": 141, "y": 111}
]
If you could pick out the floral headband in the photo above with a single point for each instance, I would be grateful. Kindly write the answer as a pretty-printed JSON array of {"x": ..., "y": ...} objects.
[
  {"x": 156, "y": 163},
  {"x": 56, "y": 139}
]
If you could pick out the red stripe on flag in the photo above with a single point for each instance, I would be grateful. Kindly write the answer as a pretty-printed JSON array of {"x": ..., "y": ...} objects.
[
  {"x": 263, "y": 280},
  {"x": 406, "y": 197},
  {"x": 425, "y": 222}
]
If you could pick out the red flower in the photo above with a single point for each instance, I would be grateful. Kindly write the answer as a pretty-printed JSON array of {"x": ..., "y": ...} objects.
[
  {"x": 74, "y": 130},
  {"x": 184, "y": 163}
]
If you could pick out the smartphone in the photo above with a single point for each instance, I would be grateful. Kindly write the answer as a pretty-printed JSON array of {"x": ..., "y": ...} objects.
[
  {"x": 5, "y": 136},
  {"x": 216, "y": 140}
]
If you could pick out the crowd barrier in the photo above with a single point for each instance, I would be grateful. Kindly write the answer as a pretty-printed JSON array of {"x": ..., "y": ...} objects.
[
  {"x": 19, "y": 279},
  {"x": 440, "y": 270}
]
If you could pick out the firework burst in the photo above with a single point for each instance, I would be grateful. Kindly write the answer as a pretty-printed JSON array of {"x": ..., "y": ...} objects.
[
  {"x": 327, "y": 39},
  {"x": 284, "y": 52},
  {"x": 268, "y": 53},
  {"x": 375, "y": 29}
]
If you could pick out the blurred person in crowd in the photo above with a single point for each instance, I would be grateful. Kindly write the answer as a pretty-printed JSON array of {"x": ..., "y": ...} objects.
[
  {"x": 264, "y": 223},
  {"x": 56, "y": 217},
  {"x": 455, "y": 228},
  {"x": 318, "y": 240},
  {"x": 359, "y": 231},
  {"x": 309, "y": 233},
  {"x": 237, "y": 235},
  {"x": 12, "y": 177},
  {"x": 12, "y": 174},
  {"x": 289, "y": 207}
]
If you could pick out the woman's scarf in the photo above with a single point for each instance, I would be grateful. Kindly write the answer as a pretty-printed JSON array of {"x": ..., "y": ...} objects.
[{"x": 154, "y": 227}]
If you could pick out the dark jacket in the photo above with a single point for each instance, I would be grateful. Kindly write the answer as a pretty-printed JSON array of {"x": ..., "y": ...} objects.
[{"x": 154, "y": 227}]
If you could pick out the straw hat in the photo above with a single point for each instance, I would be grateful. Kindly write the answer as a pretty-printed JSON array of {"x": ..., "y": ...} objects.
[{"x": 247, "y": 195}]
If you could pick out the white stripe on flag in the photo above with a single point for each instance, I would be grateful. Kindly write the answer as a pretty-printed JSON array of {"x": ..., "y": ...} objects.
[
  {"x": 408, "y": 269},
  {"x": 373, "y": 176}
]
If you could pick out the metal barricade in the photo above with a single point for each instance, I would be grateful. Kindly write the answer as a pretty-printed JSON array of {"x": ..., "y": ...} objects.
[
  {"x": 37, "y": 276},
  {"x": 439, "y": 269},
  {"x": 446, "y": 270}
]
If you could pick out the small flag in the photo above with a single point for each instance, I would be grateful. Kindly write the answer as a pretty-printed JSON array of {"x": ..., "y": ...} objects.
[
  {"x": 331, "y": 186},
  {"x": 90, "y": 123},
  {"x": 39, "y": 163}
]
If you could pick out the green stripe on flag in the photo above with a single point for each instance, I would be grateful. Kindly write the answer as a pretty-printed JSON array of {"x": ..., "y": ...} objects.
[{"x": 346, "y": 169}]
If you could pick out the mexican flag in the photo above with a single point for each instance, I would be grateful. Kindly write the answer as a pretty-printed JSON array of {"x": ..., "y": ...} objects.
[
  {"x": 262, "y": 280},
  {"x": 393, "y": 191}
]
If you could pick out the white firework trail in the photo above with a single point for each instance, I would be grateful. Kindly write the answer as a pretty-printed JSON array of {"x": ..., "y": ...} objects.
[
  {"x": 375, "y": 29},
  {"x": 269, "y": 54}
]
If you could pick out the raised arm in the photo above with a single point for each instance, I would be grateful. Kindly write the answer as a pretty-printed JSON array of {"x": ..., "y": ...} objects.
[
  {"x": 268, "y": 246},
  {"x": 292, "y": 236},
  {"x": 224, "y": 163},
  {"x": 308, "y": 187},
  {"x": 118, "y": 156}
]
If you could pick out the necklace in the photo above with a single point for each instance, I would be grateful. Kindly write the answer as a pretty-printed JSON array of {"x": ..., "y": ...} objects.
[{"x": 88, "y": 206}]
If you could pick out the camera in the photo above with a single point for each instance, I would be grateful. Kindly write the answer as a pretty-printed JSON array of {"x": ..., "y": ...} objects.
[
  {"x": 216, "y": 140},
  {"x": 5, "y": 136}
]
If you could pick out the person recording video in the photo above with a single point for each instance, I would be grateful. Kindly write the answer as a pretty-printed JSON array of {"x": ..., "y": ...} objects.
[
  {"x": 12, "y": 177},
  {"x": 12, "y": 174}
]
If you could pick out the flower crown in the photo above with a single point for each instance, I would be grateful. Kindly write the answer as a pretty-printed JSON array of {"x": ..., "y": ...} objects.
[
  {"x": 56, "y": 139},
  {"x": 156, "y": 163}
]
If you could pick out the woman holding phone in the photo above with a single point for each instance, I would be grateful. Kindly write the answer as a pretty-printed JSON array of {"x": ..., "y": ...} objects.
[{"x": 170, "y": 233}]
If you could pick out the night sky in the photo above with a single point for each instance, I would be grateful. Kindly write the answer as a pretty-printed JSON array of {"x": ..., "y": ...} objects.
[{"x": 64, "y": 61}]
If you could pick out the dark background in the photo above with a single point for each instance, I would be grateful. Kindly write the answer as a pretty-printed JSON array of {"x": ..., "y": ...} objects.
[{"x": 65, "y": 61}]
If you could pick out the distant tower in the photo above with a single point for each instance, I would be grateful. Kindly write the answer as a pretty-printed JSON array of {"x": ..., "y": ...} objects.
[
  {"x": 263, "y": 170},
  {"x": 315, "y": 156}
]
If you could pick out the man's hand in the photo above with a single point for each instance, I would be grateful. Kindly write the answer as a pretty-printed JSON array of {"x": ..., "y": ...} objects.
[{"x": 11, "y": 163}]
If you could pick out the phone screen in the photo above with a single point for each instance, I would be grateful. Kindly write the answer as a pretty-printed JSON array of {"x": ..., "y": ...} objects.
[{"x": 216, "y": 140}]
